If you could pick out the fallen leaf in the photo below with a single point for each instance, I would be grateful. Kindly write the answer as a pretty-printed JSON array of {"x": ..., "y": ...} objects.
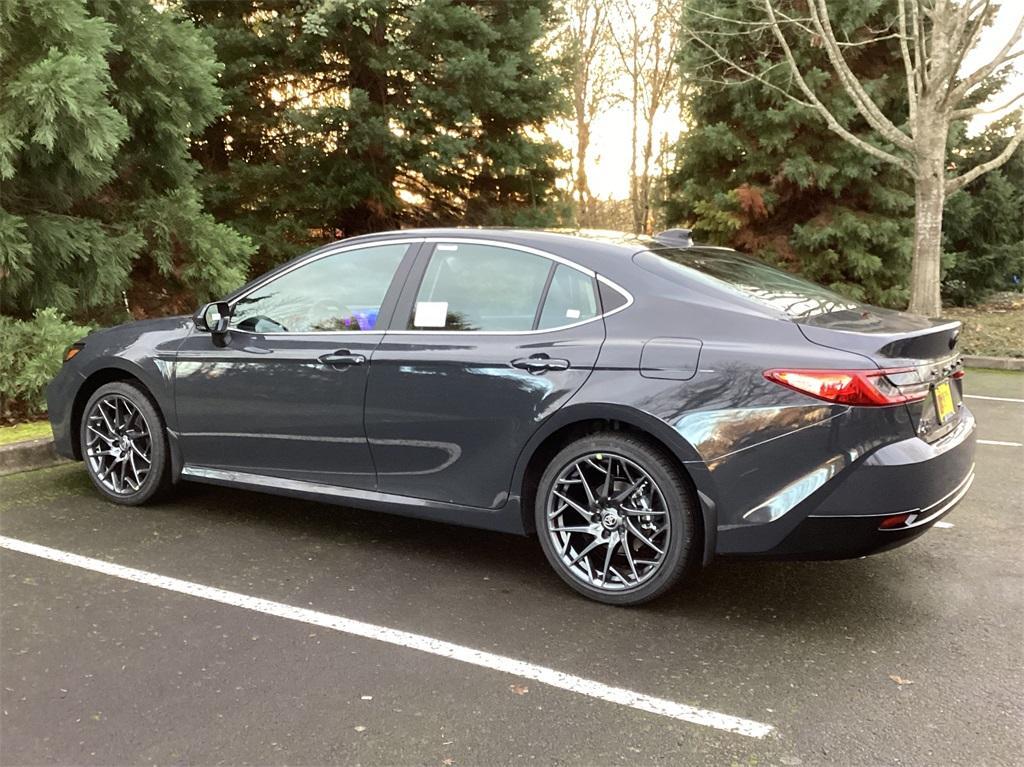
[
  {"x": 900, "y": 680},
  {"x": 519, "y": 689},
  {"x": 448, "y": 762}
]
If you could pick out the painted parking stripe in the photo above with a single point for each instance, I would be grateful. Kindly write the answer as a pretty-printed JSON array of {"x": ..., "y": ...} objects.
[
  {"x": 994, "y": 399},
  {"x": 426, "y": 644},
  {"x": 1000, "y": 443}
]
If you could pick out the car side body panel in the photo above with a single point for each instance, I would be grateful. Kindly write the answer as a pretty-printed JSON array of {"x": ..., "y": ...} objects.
[{"x": 266, "y": 403}]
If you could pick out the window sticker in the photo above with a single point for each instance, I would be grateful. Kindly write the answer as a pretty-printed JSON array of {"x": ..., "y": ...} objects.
[
  {"x": 572, "y": 314},
  {"x": 447, "y": 247},
  {"x": 431, "y": 314}
]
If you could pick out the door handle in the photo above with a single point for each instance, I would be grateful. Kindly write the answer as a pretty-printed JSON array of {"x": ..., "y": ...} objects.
[
  {"x": 342, "y": 358},
  {"x": 539, "y": 363}
]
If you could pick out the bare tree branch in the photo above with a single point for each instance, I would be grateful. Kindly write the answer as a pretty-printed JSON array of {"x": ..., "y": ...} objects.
[
  {"x": 920, "y": 46},
  {"x": 695, "y": 37},
  {"x": 963, "y": 180},
  {"x": 861, "y": 98},
  {"x": 908, "y": 64},
  {"x": 962, "y": 114},
  {"x": 977, "y": 76},
  {"x": 822, "y": 110},
  {"x": 973, "y": 26}
]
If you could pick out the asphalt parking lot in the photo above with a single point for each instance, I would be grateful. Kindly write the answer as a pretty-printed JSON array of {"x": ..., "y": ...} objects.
[{"x": 912, "y": 657}]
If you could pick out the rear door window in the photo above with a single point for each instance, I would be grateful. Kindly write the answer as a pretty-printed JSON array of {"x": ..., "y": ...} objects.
[{"x": 474, "y": 287}]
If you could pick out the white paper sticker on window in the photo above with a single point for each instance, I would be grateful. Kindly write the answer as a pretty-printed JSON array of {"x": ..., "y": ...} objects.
[
  {"x": 572, "y": 314},
  {"x": 447, "y": 247},
  {"x": 430, "y": 314}
]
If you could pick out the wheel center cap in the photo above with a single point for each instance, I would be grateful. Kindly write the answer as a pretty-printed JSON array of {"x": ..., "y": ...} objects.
[
  {"x": 125, "y": 442},
  {"x": 610, "y": 519}
]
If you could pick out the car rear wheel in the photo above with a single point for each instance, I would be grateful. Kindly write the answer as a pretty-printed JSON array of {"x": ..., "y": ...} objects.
[
  {"x": 615, "y": 519},
  {"x": 124, "y": 445}
]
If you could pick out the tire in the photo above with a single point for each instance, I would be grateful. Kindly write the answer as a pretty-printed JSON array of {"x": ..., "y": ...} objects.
[
  {"x": 121, "y": 429},
  {"x": 623, "y": 533}
]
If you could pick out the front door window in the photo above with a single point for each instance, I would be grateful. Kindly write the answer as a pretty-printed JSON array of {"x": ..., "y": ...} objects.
[{"x": 336, "y": 293}]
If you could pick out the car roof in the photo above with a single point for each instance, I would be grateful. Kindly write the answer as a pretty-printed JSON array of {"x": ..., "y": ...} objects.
[{"x": 550, "y": 237}]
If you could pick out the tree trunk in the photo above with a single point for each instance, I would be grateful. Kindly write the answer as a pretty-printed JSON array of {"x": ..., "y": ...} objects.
[
  {"x": 634, "y": 196},
  {"x": 929, "y": 198},
  {"x": 645, "y": 177},
  {"x": 582, "y": 183}
]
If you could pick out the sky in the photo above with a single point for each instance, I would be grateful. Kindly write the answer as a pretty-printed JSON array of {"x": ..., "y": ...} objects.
[{"x": 608, "y": 165}]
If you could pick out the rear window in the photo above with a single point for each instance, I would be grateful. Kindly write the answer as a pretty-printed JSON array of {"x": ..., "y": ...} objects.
[{"x": 796, "y": 297}]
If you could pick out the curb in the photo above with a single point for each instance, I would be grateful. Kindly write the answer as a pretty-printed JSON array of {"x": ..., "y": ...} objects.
[
  {"x": 994, "y": 363},
  {"x": 28, "y": 455}
]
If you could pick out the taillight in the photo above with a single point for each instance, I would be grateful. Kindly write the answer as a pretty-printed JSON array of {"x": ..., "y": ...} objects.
[{"x": 871, "y": 388}]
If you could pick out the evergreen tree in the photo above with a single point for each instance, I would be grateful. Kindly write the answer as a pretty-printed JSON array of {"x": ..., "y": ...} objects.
[
  {"x": 983, "y": 232},
  {"x": 766, "y": 175},
  {"x": 346, "y": 117},
  {"x": 98, "y": 197}
]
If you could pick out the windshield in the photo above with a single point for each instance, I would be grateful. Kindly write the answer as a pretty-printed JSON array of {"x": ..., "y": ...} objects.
[{"x": 796, "y": 297}]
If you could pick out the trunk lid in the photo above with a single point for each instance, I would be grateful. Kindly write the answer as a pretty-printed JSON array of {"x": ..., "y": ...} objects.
[
  {"x": 888, "y": 337},
  {"x": 923, "y": 351}
]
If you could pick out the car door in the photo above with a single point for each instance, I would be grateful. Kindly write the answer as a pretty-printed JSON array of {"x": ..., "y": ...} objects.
[
  {"x": 488, "y": 340},
  {"x": 281, "y": 394}
]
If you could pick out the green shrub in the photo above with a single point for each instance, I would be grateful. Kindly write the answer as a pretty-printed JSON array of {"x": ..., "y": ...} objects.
[{"x": 31, "y": 353}]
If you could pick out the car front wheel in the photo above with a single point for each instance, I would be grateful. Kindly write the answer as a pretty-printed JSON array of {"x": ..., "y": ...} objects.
[
  {"x": 124, "y": 444},
  {"x": 616, "y": 519}
]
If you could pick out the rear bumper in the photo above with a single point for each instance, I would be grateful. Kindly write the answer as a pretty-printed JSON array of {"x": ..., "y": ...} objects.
[
  {"x": 908, "y": 485},
  {"x": 843, "y": 537}
]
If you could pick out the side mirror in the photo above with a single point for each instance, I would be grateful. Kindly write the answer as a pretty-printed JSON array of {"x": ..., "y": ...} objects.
[{"x": 213, "y": 318}]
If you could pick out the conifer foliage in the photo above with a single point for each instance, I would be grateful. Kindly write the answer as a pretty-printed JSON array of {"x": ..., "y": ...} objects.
[
  {"x": 983, "y": 235},
  {"x": 346, "y": 117},
  {"x": 762, "y": 173},
  {"x": 97, "y": 189}
]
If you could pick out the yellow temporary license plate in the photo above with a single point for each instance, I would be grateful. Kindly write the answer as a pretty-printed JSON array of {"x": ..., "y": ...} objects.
[{"x": 944, "y": 401}]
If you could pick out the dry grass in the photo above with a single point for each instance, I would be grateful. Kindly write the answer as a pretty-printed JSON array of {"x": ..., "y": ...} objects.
[{"x": 995, "y": 328}]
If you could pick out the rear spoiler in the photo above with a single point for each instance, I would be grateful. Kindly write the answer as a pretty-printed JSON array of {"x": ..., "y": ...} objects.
[{"x": 678, "y": 238}]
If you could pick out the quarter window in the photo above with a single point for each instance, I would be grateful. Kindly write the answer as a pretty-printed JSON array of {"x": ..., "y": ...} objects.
[
  {"x": 336, "y": 293},
  {"x": 570, "y": 299},
  {"x": 480, "y": 287}
]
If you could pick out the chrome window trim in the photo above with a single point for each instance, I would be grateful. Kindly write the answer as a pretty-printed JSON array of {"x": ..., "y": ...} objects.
[{"x": 448, "y": 241}]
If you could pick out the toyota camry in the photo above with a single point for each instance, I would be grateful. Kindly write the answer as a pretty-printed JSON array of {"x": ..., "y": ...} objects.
[{"x": 640, "y": 405}]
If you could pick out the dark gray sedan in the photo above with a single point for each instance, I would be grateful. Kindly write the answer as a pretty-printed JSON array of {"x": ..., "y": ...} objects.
[{"x": 639, "y": 404}]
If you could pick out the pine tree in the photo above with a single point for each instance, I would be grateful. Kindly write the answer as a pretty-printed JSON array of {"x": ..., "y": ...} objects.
[
  {"x": 98, "y": 196},
  {"x": 983, "y": 232},
  {"x": 346, "y": 117},
  {"x": 764, "y": 174}
]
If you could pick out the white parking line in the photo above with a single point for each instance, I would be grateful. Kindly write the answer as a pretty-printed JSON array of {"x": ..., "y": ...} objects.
[
  {"x": 994, "y": 399},
  {"x": 1000, "y": 443},
  {"x": 946, "y": 525},
  {"x": 419, "y": 642}
]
